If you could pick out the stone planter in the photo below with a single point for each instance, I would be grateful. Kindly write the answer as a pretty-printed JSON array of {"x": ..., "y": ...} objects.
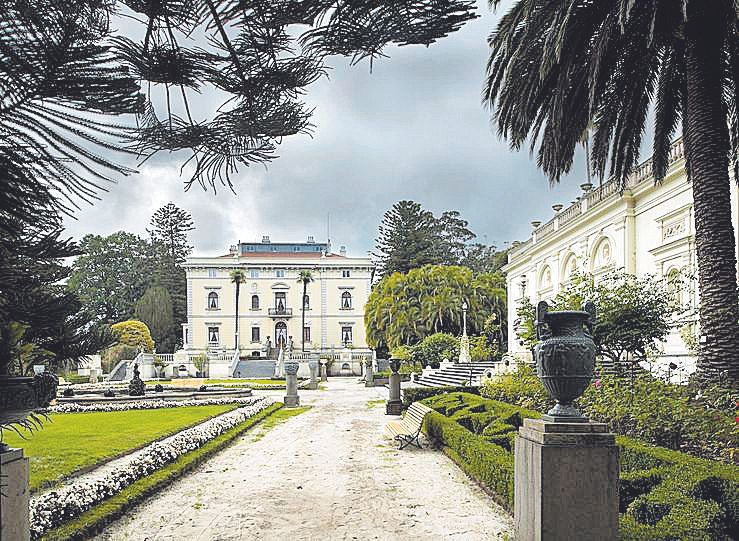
[
  {"x": 20, "y": 396},
  {"x": 565, "y": 357}
]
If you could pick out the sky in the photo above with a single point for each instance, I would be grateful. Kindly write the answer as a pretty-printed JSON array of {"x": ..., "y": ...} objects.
[{"x": 412, "y": 128}]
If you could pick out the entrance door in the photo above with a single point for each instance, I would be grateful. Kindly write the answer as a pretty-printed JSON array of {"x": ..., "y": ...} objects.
[{"x": 281, "y": 334}]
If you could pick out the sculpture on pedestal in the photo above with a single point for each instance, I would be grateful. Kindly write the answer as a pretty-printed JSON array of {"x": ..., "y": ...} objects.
[{"x": 136, "y": 387}]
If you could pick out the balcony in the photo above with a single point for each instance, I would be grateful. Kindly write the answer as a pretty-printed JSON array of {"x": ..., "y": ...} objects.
[{"x": 280, "y": 312}]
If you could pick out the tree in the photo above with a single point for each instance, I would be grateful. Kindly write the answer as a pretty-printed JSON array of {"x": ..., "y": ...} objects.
[
  {"x": 634, "y": 314},
  {"x": 41, "y": 321},
  {"x": 238, "y": 277},
  {"x": 304, "y": 277},
  {"x": 168, "y": 231},
  {"x": 154, "y": 308},
  {"x": 133, "y": 333},
  {"x": 169, "y": 227},
  {"x": 402, "y": 309},
  {"x": 554, "y": 71},
  {"x": 453, "y": 236},
  {"x": 436, "y": 348},
  {"x": 112, "y": 273},
  {"x": 407, "y": 239},
  {"x": 72, "y": 72},
  {"x": 484, "y": 258}
]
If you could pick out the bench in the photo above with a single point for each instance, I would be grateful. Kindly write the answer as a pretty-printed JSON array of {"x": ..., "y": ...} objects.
[{"x": 407, "y": 430}]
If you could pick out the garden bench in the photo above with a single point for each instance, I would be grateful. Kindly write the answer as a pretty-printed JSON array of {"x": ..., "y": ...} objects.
[{"x": 407, "y": 430}]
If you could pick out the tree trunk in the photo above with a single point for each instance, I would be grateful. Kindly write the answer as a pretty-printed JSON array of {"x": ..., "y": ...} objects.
[
  {"x": 236, "y": 335},
  {"x": 707, "y": 148},
  {"x": 302, "y": 325}
]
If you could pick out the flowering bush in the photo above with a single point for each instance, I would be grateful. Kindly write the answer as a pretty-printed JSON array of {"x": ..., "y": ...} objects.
[
  {"x": 72, "y": 407},
  {"x": 54, "y": 508}
]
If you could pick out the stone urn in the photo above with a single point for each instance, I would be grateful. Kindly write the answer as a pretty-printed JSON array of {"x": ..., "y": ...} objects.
[
  {"x": 21, "y": 396},
  {"x": 395, "y": 365},
  {"x": 565, "y": 357},
  {"x": 291, "y": 368}
]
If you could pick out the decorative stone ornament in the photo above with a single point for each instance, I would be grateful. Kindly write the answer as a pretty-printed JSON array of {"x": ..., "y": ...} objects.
[
  {"x": 137, "y": 386},
  {"x": 291, "y": 368},
  {"x": 20, "y": 396},
  {"x": 395, "y": 365},
  {"x": 291, "y": 383},
  {"x": 565, "y": 357},
  {"x": 394, "y": 406}
]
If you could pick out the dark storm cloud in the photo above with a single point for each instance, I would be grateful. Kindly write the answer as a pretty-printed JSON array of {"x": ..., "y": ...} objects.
[{"x": 414, "y": 128}]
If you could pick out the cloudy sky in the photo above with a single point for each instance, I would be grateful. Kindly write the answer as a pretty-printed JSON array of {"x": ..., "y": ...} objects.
[{"x": 414, "y": 128}]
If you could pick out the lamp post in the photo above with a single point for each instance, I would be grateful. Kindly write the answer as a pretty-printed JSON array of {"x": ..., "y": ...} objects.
[
  {"x": 464, "y": 318},
  {"x": 464, "y": 344}
]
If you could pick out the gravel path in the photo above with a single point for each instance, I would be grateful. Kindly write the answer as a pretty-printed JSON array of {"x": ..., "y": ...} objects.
[{"x": 326, "y": 474}]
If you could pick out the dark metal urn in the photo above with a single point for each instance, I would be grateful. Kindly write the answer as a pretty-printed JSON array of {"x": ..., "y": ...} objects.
[
  {"x": 394, "y": 365},
  {"x": 21, "y": 396},
  {"x": 565, "y": 357}
]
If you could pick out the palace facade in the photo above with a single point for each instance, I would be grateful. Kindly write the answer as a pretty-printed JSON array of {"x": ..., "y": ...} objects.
[
  {"x": 646, "y": 230},
  {"x": 269, "y": 305}
]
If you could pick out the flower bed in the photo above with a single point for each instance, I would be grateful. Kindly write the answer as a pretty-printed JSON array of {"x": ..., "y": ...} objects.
[
  {"x": 72, "y": 407},
  {"x": 57, "y": 507},
  {"x": 664, "y": 494}
]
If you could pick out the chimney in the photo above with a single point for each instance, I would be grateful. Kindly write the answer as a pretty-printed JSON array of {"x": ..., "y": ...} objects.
[
  {"x": 265, "y": 239},
  {"x": 311, "y": 240},
  {"x": 342, "y": 251}
]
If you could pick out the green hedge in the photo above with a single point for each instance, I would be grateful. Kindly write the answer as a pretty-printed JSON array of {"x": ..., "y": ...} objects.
[
  {"x": 664, "y": 494},
  {"x": 416, "y": 394}
]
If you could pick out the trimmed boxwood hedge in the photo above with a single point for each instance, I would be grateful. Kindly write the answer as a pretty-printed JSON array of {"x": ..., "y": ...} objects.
[
  {"x": 416, "y": 394},
  {"x": 664, "y": 494}
]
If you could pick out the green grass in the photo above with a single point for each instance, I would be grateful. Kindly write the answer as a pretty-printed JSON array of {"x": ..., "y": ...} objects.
[
  {"x": 374, "y": 403},
  {"x": 74, "y": 441},
  {"x": 278, "y": 418},
  {"x": 94, "y": 520}
]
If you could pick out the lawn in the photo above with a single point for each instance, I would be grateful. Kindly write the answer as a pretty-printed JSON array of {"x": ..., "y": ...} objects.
[{"x": 73, "y": 441}]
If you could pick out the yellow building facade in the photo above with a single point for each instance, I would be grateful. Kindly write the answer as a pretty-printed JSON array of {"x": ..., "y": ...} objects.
[{"x": 269, "y": 304}]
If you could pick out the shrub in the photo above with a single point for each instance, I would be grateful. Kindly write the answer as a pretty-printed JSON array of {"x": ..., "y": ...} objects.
[
  {"x": 76, "y": 379},
  {"x": 404, "y": 353},
  {"x": 158, "y": 388},
  {"x": 109, "y": 393},
  {"x": 133, "y": 333},
  {"x": 664, "y": 494},
  {"x": 436, "y": 348},
  {"x": 68, "y": 392},
  {"x": 521, "y": 387},
  {"x": 415, "y": 394}
]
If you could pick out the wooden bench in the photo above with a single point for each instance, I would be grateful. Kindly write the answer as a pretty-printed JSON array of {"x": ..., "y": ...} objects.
[{"x": 407, "y": 430}]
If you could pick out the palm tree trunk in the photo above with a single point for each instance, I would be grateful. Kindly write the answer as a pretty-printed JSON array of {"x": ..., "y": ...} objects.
[
  {"x": 302, "y": 323},
  {"x": 236, "y": 335},
  {"x": 707, "y": 148}
]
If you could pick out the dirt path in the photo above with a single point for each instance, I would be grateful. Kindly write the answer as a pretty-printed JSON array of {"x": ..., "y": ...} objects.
[{"x": 326, "y": 474}]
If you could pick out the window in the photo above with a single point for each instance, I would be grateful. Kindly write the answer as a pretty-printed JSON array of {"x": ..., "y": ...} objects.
[
  {"x": 254, "y": 273},
  {"x": 346, "y": 335},
  {"x": 255, "y": 334},
  {"x": 306, "y": 302},
  {"x": 212, "y": 273},
  {"x": 346, "y": 301},
  {"x": 212, "y": 300},
  {"x": 674, "y": 287},
  {"x": 345, "y": 274},
  {"x": 280, "y": 273},
  {"x": 255, "y": 302},
  {"x": 306, "y": 334},
  {"x": 213, "y": 337},
  {"x": 280, "y": 302}
]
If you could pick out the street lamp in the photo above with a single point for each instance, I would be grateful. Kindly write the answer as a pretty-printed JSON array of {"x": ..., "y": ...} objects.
[{"x": 464, "y": 318}]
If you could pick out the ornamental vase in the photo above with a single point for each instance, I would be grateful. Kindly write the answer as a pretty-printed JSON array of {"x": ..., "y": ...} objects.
[
  {"x": 394, "y": 365},
  {"x": 565, "y": 357},
  {"x": 21, "y": 396},
  {"x": 291, "y": 368}
]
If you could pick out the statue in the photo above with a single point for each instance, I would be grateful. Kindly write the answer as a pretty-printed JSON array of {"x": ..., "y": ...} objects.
[
  {"x": 136, "y": 387},
  {"x": 267, "y": 347},
  {"x": 290, "y": 343}
]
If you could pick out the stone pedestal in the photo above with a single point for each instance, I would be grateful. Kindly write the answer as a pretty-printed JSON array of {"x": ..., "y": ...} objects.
[
  {"x": 292, "y": 399},
  {"x": 313, "y": 366},
  {"x": 323, "y": 372},
  {"x": 566, "y": 482},
  {"x": 14, "y": 496},
  {"x": 369, "y": 376},
  {"x": 394, "y": 406}
]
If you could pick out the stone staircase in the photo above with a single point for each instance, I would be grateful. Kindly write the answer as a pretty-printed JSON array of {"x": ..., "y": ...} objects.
[
  {"x": 258, "y": 369},
  {"x": 457, "y": 374}
]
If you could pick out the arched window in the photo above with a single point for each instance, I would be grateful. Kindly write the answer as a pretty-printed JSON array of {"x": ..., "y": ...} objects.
[
  {"x": 603, "y": 255},
  {"x": 255, "y": 302},
  {"x": 212, "y": 300},
  {"x": 346, "y": 300},
  {"x": 545, "y": 279}
]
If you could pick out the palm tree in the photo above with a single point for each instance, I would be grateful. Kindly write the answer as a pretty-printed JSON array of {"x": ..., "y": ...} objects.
[
  {"x": 556, "y": 67},
  {"x": 304, "y": 277},
  {"x": 238, "y": 277}
]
